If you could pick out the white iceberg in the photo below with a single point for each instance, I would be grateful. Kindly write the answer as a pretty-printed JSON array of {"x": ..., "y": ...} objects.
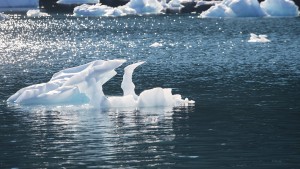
[
  {"x": 36, "y": 13},
  {"x": 69, "y": 2},
  {"x": 131, "y": 8},
  {"x": 83, "y": 85},
  {"x": 280, "y": 7},
  {"x": 235, "y": 8},
  {"x": 252, "y": 8},
  {"x": 258, "y": 38}
]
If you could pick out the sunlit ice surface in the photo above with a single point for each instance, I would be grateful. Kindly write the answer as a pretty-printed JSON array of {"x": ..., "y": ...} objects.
[{"x": 84, "y": 85}]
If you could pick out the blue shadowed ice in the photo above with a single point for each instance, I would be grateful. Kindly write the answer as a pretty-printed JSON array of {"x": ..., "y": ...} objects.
[{"x": 83, "y": 85}]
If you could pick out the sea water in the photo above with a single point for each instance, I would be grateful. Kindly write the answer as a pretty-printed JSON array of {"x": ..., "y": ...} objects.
[{"x": 246, "y": 112}]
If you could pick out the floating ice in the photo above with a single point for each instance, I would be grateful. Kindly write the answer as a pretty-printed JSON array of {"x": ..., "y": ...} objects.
[
  {"x": 3, "y": 16},
  {"x": 235, "y": 8},
  {"x": 69, "y": 2},
  {"x": 156, "y": 44},
  {"x": 258, "y": 38},
  {"x": 252, "y": 8},
  {"x": 200, "y": 3},
  {"x": 280, "y": 7},
  {"x": 131, "y": 8},
  {"x": 36, "y": 13},
  {"x": 175, "y": 6},
  {"x": 83, "y": 85}
]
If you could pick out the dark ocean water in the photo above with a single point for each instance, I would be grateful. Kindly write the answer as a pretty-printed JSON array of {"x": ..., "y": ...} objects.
[{"x": 247, "y": 111}]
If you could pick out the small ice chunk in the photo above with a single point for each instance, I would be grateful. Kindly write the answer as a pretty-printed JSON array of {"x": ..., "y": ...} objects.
[
  {"x": 156, "y": 44},
  {"x": 258, "y": 38},
  {"x": 36, "y": 13}
]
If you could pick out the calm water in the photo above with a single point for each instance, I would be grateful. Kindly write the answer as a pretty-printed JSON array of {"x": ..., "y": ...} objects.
[{"x": 247, "y": 95}]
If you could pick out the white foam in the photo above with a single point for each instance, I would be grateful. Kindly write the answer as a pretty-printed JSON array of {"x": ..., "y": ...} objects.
[
  {"x": 82, "y": 85},
  {"x": 36, "y": 13},
  {"x": 251, "y": 8},
  {"x": 69, "y": 2},
  {"x": 258, "y": 38}
]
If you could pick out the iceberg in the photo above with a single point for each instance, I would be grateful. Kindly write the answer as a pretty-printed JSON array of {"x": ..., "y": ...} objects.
[
  {"x": 70, "y": 2},
  {"x": 82, "y": 85},
  {"x": 133, "y": 7},
  {"x": 36, "y": 13},
  {"x": 258, "y": 38},
  {"x": 251, "y": 8},
  {"x": 235, "y": 8},
  {"x": 280, "y": 8}
]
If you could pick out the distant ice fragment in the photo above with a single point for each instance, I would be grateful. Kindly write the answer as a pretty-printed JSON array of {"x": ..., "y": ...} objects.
[
  {"x": 4, "y": 16},
  {"x": 69, "y": 2},
  {"x": 36, "y": 13},
  {"x": 258, "y": 38},
  {"x": 156, "y": 44},
  {"x": 83, "y": 85}
]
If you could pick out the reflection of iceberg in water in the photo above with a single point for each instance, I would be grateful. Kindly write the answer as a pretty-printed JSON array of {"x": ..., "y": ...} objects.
[{"x": 83, "y": 85}]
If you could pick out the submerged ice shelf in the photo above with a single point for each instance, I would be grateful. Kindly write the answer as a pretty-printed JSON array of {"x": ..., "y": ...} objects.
[{"x": 83, "y": 85}]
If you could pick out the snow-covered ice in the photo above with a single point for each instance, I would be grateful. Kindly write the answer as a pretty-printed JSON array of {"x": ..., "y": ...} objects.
[
  {"x": 83, "y": 85},
  {"x": 252, "y": 8},
  {"x": 36, "y": 13},
  {"x": 258, "y": 38}
]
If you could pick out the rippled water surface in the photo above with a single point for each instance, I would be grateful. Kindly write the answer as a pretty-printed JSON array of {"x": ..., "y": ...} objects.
[{"x": 247, "y": 95}]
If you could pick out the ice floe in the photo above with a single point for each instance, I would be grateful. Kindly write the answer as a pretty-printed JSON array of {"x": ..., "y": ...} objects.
[
  {"x": 252, "y": 8},
  {"x": 258, "y": 38},
  {"x": 133, "y": 7},
  {"x": 82, "y": 85},
  {"x": 36, "y": 13}
]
